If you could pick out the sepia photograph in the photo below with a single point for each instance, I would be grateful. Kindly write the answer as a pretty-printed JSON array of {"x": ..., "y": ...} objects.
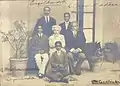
[{"x": 59, "y": 42}]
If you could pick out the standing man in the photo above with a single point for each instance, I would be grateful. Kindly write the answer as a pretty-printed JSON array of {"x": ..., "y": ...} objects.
[
  {"x": 39, "y": 46},
  {"x": 46, "y": 21},
  {"x": 75, "y": 41},
  {"x": 66, "y": 25}
]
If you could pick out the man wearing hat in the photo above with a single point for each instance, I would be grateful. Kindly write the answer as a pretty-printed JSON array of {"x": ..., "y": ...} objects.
[{"x": 39, "y": 45}]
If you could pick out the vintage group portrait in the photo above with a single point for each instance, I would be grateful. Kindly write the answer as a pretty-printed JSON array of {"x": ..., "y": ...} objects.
[{"x": 59, "y": 42}]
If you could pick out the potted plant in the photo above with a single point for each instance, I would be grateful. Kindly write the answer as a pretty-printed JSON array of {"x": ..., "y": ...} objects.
[
  {"x": 17, "y": 38},
  {"x": 110, "y": 51}
]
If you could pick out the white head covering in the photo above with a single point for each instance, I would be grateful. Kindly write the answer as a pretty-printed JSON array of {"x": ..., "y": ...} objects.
[{"x": 56, "y": 27}]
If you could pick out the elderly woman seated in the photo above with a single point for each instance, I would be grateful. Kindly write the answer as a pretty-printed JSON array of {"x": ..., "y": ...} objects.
[{"x": 56, "y": 37}]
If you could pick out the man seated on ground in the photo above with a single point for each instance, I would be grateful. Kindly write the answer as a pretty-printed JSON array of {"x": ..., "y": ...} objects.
[{"x": 59, "y": 65}]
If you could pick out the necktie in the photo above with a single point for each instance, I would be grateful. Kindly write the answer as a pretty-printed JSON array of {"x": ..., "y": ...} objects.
[
  {"x": 40, "y": 35},
  {"x": 67, "y": 23},
  {"x": 47, "y": 19},
  {"x": 66, "y": 26}
]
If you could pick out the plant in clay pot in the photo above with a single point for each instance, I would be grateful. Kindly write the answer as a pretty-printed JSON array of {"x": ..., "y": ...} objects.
[{"x": 17, "y": 39}]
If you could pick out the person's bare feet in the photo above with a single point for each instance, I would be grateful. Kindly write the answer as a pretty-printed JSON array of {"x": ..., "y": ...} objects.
[
  {"x": 71, "y": 78},
  {"x": 46, "y": 79}
]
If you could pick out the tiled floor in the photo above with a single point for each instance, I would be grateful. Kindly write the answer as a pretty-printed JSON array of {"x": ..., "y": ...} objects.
[{"x": 102, "y": 72}]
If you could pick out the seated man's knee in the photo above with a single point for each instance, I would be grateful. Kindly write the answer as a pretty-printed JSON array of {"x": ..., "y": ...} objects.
[
  {"x": 37, "y": 55},
  {"x": 82, "y": 55},
  {"x": 70, "y": 55},
  {"x": 46, "y": 57}
]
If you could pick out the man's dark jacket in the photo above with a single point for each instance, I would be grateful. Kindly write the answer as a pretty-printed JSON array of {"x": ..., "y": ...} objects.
[
  {"x": 75, "y": 42},
  {"x": 47, "y": 27}
]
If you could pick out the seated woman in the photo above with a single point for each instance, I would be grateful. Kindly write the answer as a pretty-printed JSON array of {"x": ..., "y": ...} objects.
[
  {"x": 59, "y": 65},
  {"x": 56, "y": 37}
]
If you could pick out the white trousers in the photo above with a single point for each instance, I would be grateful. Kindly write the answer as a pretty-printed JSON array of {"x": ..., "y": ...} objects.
[{"x": 41, "y": 61}]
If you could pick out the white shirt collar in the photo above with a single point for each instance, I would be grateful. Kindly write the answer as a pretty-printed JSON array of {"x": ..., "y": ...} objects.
[
  {"x": 56, "y": 35},
  {"x": 46, "y": 18},
  {"x": 40, "y": 34},
  {"x": 59, "y": 52},
  {"x": 66, "y": 22}
]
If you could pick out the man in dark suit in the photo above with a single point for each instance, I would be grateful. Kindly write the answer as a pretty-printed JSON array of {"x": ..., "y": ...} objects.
[
  {"x": 75, "y": 41},
  {"x": 66, "y": 25},
  {"x": 46, "y": 21},
  {"x": 59, "y": 65},
  {"x": 40, "y": 47}
]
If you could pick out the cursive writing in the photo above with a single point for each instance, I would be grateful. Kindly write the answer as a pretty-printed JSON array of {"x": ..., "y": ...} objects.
[
  {"x": 107, "y": 4},
  {"x": 47, "y": 2},
  {"x": 115, "y": 82}
]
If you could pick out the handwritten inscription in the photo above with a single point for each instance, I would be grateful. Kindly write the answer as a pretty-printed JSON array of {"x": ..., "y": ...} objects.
[
  {"x": 60, "y": 2},
  {"x": 47, "y": 2},
  {"x": 115, "y": 82},
  {"x": 107, "y": 4}
]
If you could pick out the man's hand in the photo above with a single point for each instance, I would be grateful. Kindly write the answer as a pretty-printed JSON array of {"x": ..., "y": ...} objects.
[
  {"x": 61, "y": 66},
  {"x": 41, "y": 51},
  {"x": 78, "y": 50},
  {"x": 72, "y": 50},
  {"x": 30, "y": 38}
]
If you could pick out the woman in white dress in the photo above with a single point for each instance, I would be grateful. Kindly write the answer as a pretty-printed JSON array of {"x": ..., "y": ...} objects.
[{"x": 56, "y": 36}]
